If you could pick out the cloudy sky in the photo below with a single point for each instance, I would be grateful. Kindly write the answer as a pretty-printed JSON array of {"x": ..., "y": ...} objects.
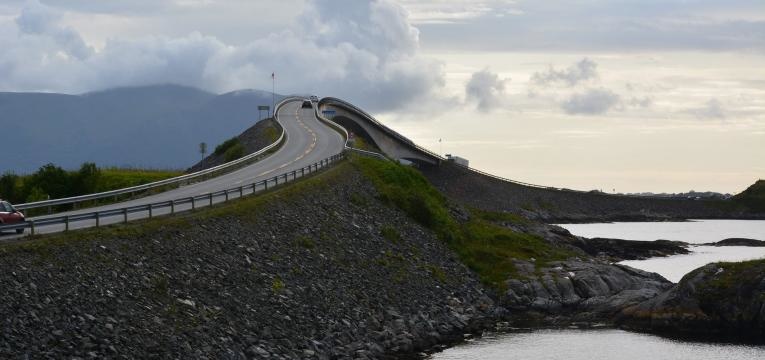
[{"x": 624, "y": 95}]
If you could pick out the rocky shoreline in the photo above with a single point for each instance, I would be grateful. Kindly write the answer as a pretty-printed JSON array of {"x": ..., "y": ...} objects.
[{"x": 326, "y": 268}]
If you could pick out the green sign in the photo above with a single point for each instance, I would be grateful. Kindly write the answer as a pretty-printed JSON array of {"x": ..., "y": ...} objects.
[{"x": 263, "y": 107}]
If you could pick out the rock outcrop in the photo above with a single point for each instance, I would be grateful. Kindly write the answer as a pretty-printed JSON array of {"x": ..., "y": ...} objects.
[
  {"x": 719, "y": 301},
  {"x": 619, "y": 250},
  {"x": 738, "y": 242},
  {"x": 578, "y": 291}
]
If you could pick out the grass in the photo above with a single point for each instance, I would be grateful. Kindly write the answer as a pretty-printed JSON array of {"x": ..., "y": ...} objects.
[
  {"x": 44, "y": 246},
  {"x": 390, "y": 233},
  {"x": 117, "y": 178},
  {"x": 483, "y": 245},
  {"x": 736, "y": 276}
]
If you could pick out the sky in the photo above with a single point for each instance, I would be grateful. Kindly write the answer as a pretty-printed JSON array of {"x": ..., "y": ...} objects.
[{"x": 619, "y": 95}]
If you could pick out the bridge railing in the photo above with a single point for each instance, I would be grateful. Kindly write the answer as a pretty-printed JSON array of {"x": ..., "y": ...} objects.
[
  {"x": 344, "y": 133},
  {"x": 105, "y": 217},
  {"x": 160, "y": 183},
  {"x": 395, "y": 134}
]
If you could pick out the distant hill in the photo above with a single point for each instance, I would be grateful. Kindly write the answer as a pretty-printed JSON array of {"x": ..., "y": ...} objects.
[
  {"x": 152, "y": 126},
  {"x": 753, "y": 197}
]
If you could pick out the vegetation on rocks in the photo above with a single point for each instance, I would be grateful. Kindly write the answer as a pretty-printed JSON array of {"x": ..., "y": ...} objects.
[
  {"x": 299, "y": 272},
  {"x": 722, "y": 301},
  {"x": 480, "y": 240}
]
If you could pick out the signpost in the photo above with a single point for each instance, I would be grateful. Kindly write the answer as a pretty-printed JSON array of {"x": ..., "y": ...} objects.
[{"x": 262, "y": 108}]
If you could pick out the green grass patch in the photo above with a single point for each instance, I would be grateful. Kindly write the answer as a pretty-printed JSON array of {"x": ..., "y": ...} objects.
[
  {"x": 224, "y": 146},
  {"x": 482, "y": 244},
  {"x": 277, "y": 285},
  {"x": 234, "y": 152},
  {"x": 390, "y": 233},
  {"x": 118, "y": 178},
  {"x": 305, "y": 241}
]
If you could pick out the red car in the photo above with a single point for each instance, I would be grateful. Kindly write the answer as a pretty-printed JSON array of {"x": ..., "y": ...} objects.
[{"x": 9, "y": 215}]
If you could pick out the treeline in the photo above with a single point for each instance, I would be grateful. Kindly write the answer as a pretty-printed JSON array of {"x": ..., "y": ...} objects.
[{"x": 53, "y": 182}]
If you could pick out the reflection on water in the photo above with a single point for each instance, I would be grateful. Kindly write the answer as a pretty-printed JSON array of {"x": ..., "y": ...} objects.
[
  {"x": 594, "y": 345},
  {"x": 695, "y": 232}
]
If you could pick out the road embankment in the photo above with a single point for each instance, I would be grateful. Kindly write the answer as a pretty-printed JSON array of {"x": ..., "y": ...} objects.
[{"x": 318, "y": 269}]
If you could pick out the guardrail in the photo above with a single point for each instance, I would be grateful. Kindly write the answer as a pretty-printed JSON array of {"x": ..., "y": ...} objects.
[
  {"x": 390, "y": 131},
  {"x": 406, "y": 140},
  {"x": 175, "y": 180},
  {"x": 176, "y": 205},
  {"x": 344, "y": 133}
]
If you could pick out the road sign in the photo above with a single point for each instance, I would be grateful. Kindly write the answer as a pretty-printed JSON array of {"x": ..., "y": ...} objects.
[{"x": 263, "y": 107}]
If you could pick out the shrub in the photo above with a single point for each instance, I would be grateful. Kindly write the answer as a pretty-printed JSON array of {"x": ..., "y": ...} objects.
[
  {"x": 234, "y": 152},
  {"x": 224, "y": 146}
]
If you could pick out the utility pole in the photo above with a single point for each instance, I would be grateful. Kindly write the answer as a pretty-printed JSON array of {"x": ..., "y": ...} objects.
[
  {"x": 273, "y": 94},
  {"x": 203, "y": 149}
]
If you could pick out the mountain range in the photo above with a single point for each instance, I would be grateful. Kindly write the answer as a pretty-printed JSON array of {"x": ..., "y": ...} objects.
[{"x": 158, "y": 126}]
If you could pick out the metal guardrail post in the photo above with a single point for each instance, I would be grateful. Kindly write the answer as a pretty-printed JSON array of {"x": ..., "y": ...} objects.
[
  {"x": 193, "y": 204},
  {"x": 226, "y": 192},
  {"x": 172, "y": 206},
  {"x": 32, "y": 226},
  {"x": 265, "y": 184},
  {"x": 210, "y": 195},
  {"x": 66, "y": 223},
  {"x": 151, "y": 211},
  {"x": 98, "y": 219},
  {"x": 241, "y": 191},
  {"x": 125, "y": 215}
]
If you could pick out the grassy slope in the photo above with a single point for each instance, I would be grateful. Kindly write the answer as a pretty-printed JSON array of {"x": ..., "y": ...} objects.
[
  {"x": 483, "y": 245},
  {"x": 480, "y": 242},
  {"x": 753, "y": 197}
]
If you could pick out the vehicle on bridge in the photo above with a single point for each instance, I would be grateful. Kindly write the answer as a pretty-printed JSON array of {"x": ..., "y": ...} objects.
[
  {"x": 9, "y": 215},
  {"x": 314, "y": 98},
  {"x": 307, "y": 104}
]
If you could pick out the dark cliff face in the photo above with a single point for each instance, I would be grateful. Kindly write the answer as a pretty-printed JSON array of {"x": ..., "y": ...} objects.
[
  {"x": 318, "y": 269},
  {"x": 720, "y": 301},
  {"x": 551, "y": 205}
]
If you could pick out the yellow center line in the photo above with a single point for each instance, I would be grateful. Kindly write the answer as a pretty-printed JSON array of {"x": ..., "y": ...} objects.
[{"x": 308, "y": 150}]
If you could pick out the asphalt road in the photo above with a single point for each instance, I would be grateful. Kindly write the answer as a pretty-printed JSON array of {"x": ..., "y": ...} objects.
[{"x": 308, "y": 141}]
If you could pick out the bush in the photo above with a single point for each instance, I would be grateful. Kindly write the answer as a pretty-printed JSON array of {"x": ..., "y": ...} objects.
[
  {"x": 223, "y": 147},
  {"x": 234, "y": 152}
]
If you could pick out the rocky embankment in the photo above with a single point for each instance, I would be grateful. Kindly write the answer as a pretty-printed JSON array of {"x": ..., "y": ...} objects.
[
  {"x": 578, "y": 291},
  {"x": 553, "y": 205},
  {"x": 256, "y": 137},
  {"x": 720, "y": 301},
  {"x": 317, "y": 270}
]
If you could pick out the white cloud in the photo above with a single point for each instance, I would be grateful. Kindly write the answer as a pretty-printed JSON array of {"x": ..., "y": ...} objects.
[
  {"x": 712, "y": 109},
  {"x": 593, "y": 102},
  {"x": 581, "y": 71},
  {"x": 486, "y": 89},
  {"x": 365, "y": 51}
]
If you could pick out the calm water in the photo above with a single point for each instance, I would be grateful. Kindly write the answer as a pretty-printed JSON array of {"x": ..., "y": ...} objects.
[
  {"x": 594, "y": 345},
  {"x": 695, "y": 232},
  {"x": 618, "y": 344}
]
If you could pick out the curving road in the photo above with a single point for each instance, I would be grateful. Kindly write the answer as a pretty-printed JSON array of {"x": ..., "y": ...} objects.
[{"x": 308, "y": 141}]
